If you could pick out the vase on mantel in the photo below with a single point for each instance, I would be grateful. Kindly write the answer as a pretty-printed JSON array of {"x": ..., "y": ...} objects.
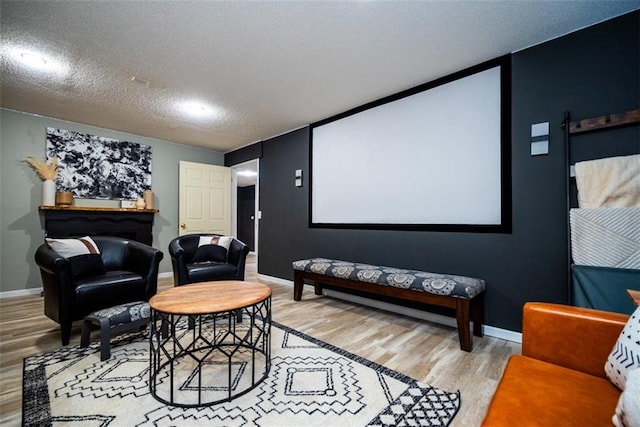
[
  {"x": 147, "y": 195},
  {"x": 48, "y": 192},
  {"x": 140, "y": 203}
]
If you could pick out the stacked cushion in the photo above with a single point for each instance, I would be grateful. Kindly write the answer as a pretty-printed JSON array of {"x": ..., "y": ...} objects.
[{"x": 537, "y": 393}]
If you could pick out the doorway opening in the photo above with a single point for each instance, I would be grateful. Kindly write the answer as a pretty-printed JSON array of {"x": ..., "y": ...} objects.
[{"x": 245, "y": 203}]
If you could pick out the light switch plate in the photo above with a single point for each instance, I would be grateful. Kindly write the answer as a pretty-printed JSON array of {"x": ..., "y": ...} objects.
[
  {"x": 539, "y": 129},
  {"x": 539, "y": 147}
]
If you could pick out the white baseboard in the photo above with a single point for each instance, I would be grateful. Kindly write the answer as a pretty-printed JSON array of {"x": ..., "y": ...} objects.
[
  {"x": 504, "y": 334},
  {"x": 165, "y": 275},
  {"x": 274, "y": 280},
  {"x": 21, "y": 293},
  {"x": 490, "y": 331}
]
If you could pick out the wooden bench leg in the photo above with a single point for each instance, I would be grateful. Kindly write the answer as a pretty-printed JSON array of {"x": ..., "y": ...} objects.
[
  {"x": 463, "y": 317},
  {"x": 298, "y": 283},
  {"x": 477, "y": 314}
]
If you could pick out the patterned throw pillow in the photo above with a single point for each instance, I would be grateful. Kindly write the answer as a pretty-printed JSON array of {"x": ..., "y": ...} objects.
[
  {"x": 628, "y": 409},
  {"x": 625, "y": 355},
  {"x": 68, "y": 248},
  {"x": 83, "y": 255},
  {"x": 212, "y": 248}
]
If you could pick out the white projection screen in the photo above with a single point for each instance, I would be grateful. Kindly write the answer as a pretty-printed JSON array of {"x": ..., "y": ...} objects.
[{"x": 435, "y": 157}]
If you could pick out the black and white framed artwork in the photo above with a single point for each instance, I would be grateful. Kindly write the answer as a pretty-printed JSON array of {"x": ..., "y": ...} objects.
[{"x": 95, "y": 167}]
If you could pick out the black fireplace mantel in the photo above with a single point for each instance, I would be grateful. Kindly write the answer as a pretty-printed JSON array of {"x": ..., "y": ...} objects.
[{"x": 74, "y": 221}]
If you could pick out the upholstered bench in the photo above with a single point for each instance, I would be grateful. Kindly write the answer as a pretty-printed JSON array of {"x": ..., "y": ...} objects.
[
  {"x": 463, "y": 294},
  {"x": 113, "y": 321}
]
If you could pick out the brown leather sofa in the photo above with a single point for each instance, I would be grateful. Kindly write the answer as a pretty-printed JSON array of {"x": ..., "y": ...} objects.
[{"x": 559, "y": 379}]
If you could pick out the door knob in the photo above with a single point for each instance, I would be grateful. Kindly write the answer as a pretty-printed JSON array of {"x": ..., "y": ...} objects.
[{"x": 183, "y": 225}]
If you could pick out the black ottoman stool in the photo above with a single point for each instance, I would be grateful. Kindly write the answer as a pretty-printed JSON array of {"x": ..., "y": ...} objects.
[{"x": 114, "y": 320}]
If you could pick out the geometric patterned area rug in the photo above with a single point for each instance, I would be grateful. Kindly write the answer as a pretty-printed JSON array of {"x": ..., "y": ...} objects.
[{"x": 311, "y": 383}]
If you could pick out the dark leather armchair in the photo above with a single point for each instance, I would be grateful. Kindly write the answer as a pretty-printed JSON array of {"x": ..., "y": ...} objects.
[
  {"x": 191, "y": 265},
  {"x": 124, "y": 271}
]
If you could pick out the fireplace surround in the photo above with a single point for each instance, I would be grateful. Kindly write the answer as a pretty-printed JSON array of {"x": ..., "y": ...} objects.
[{"x": 74, "y": 221}]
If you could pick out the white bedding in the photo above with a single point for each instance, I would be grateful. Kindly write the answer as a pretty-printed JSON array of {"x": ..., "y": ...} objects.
[{"x": 606, "y": 237}]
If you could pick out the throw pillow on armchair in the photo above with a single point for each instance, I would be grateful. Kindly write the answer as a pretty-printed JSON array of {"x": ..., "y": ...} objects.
[
  {"x": 628, "y": 409},
  {"x": 625, "y": 355}
]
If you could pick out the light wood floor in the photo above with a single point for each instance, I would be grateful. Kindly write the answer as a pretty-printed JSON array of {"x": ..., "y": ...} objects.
[{"x": 425, "y": 351}]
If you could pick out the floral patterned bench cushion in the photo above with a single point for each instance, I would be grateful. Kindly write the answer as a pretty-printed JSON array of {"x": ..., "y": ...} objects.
[
  {"x": 124, "y": 313},
  {"x": 433, "y": 283}
]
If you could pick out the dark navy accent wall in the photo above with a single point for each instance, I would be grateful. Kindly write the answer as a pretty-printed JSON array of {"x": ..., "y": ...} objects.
[
  {"x": 244, "y": 154},
  {"x": 591, "y": 72}
]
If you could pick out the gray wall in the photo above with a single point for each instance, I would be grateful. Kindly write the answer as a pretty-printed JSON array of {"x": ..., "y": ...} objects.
[
  {"x": 590, "y": 73},
  {"x": 21, "y": 224}
]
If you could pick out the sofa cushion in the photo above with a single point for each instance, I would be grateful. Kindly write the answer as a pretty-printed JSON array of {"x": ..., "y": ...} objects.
[
  {"x": 205, "y": 271},
  {"x": 536, "y": 393},
  {"x": 625, "y": 355},
  {"x": 110, "y": 289},
  {"x": 574, "y": 337}
]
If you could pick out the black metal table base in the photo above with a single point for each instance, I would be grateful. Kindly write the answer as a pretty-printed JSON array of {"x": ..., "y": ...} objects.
[{"x": 205, "y": 359}]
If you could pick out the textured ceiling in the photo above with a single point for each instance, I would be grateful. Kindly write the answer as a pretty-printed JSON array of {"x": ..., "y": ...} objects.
[{"x": 267, "y": 67}]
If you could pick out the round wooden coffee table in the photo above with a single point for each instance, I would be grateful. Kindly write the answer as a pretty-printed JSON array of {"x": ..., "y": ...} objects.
[{"x": 210, "y": 342}]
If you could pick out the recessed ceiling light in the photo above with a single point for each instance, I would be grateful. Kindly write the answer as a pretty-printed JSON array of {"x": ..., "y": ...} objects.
[
  {"x": 38, "y": 61},
  {"x": 198, "y": 109},
  {"x": 33, "y": 60}
]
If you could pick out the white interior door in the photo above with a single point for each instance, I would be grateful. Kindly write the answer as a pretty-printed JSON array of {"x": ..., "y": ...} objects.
[{"x": 205, "y": 199}]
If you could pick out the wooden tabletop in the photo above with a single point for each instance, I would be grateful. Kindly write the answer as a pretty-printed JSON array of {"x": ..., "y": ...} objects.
[
  {"x": 635, "y": 296},
  {"x": 209, "y": 297}
]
